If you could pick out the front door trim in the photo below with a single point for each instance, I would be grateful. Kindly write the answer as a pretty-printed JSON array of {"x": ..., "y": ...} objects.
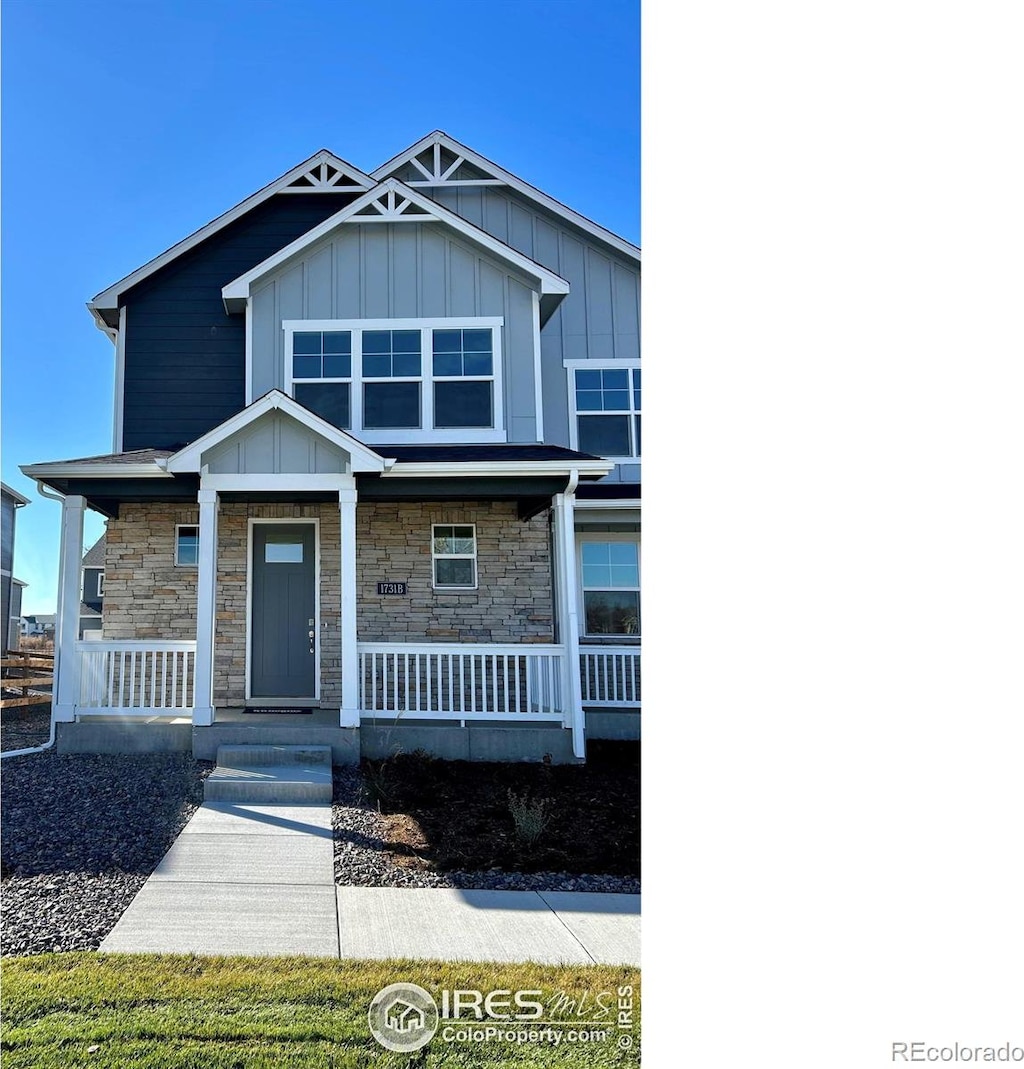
[{"x": 293, "y": 521}]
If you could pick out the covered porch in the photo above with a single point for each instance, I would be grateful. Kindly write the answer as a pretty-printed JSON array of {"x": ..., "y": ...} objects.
[{"x": 457, "y": 659}]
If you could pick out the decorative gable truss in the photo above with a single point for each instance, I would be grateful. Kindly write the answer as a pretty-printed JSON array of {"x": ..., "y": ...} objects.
[
  {"x": 328, "y": 174},
  {"x": 439, "y": 165},
  {"x": 392, "y": 205}
]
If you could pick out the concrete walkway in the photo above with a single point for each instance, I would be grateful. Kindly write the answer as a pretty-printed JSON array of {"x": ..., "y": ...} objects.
[{"x": 259, "y": 880}]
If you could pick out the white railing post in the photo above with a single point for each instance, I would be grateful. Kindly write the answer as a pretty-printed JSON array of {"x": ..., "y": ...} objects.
[
  {"x": 206, "y": 607},
  {"x": 349, "y": 713},
  {"x": 69, "y": 591}
]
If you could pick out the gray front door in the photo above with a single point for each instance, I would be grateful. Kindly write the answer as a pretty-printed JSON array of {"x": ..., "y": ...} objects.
[{"x": 283, "y": 610}]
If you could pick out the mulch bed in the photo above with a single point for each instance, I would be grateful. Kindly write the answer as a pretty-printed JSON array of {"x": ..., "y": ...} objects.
[{"x": 458, "y": 815}]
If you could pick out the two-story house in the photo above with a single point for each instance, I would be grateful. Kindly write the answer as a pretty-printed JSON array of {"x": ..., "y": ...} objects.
[
  {"x": 90, "y": 617},
  {"x": 375, "y": 476}
]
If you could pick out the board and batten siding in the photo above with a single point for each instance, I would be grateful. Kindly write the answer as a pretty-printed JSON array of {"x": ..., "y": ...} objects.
[
  {"x": 600, "y": 317},
  {"x": 400, "y": 271},
  {"x": 184, "y": 355}
]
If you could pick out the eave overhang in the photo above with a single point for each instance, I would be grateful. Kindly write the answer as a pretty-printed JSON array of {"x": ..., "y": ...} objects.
[{"x": 551, "y": 287}]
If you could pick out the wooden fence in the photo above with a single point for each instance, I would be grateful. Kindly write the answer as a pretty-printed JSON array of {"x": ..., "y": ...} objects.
[{"x": 26, "y": 677}]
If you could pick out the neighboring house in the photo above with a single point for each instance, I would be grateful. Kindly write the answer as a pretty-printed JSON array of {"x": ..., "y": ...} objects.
[
  {"x": 31, "y": 626},
  {"x": 10, "y": 588},
  {"x": 376, "y": 453},
  {"x": 90, "y": 620}
]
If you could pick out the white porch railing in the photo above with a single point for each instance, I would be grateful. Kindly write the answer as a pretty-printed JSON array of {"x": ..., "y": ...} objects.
[
  {"x": 461, "y": 681},
  {"x": 136, "y": 678},
  {"x": 610, "y": 675}
]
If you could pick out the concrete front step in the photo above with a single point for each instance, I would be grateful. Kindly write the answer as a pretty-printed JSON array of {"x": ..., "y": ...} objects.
[
  {"x": 249, "y": 754},
  {"x": 279, "y": 775}
]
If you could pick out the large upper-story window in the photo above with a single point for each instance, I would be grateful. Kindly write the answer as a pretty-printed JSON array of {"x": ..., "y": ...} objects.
[
  {"x": 605, "y": 402},
  {"x": 400, "y": 380}
]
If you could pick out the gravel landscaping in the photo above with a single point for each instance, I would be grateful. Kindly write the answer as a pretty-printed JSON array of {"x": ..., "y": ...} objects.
[{"x": 80, "y": 835}]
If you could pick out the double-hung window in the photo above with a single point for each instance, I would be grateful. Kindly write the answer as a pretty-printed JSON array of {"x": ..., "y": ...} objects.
[
  {"x": 610, "y": 581},
  {"x": 606, "y": 406},
  {"x": 400, "y": 380},
  {"x": 453, "y": 549}
]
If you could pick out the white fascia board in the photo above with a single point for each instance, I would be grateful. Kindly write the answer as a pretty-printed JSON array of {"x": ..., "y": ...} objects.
[
  {"x": 507, "y": 468},
  {"x": 531, "y": 192},
  {"x": 363, "y": 458},
  {"x": 237, "y": 292},
  {"x": 149, "y": 469},
  {"x": 631, "y": 503},
  {"x": 110, "y": 297},
  {"x": 19, "y": 499}
]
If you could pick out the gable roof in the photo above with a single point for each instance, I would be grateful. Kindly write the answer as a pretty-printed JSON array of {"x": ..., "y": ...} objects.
[
  {"x": 383, "y": 199},
  {"x": 363, "y": 457},
  {"x": 440, "y": 175},
  {"x": 97, "y": 555},
  {"x": 323, "y": 172}
]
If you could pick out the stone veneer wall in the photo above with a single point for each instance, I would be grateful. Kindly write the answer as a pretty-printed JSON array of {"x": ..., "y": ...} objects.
[
  {"x": 513, "y": 601},
  {"x": 147, "y": 597}
]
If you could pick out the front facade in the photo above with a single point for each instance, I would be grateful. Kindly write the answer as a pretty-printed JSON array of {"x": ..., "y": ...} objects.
[{"x": 376, "y": 454}]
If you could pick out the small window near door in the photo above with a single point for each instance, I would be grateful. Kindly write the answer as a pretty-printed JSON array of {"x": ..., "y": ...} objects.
[
  {"x": 186, "y": 546},
  {"x": 283, "y": 553},
  {"x": 453, "y": 548}
]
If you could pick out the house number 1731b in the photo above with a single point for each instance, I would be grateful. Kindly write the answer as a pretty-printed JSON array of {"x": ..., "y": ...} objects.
[{"x": 392, "y": 588}]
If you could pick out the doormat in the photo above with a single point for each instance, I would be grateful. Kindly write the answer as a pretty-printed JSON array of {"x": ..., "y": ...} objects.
[{"x": 274, "y": 709}]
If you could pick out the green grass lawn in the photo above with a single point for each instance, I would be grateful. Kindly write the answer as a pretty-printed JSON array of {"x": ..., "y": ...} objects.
[{"x": 177, "y": 1011}]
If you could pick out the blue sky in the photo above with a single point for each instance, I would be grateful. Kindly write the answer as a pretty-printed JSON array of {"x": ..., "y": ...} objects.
[{"x": 128, "y": 125}]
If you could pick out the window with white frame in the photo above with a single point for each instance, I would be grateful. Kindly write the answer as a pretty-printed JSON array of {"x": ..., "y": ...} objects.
[
  {"x": 610, "y": 581},
  {"x": 606, "y": 402},
  {"x": 400, "y": 380},
  {"x": 453, "y": 553},
  {"x": 186, "y": 545},
  {"x": 99, "y": 584}
]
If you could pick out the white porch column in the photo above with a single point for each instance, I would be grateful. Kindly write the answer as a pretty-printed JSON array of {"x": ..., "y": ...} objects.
[
  {"x": 349, "y": 649},
  {"x": 206, "y": 607},
  {"x": 69, "y": 600},
  {"x": 565, "y": 535}
]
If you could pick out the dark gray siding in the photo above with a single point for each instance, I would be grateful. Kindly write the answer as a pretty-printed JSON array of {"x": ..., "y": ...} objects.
[
  {"x": 90, "y": 582},
  {"x": 7, "y": 534},
  {"x": 184, "y": 355}
]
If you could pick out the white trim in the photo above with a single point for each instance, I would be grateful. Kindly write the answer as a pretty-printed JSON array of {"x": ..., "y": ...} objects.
[
  {"x": 203, "y": 711},
  {"x": 609, "y": 503},
  {"x": 120, "y": 341},
  {"x": 361, "y": 457},
  {"x": 435, "y": 557},
  {"x": 349, "y": 609},
  {"x": 499, "y": 175},
  {"x": 109, "y": 298},
  {"x": 506, "y": 468},
  {"x": 149, "y": 469},
  {"x": 248, "y": 354},
  {"x": 177, "y": 536},
  {"x": 538, "y": 389},
  {"x": 100, "y": 583},
  {"x": 66, "y": 663},
  {"x": 425, "y": 432},
  {"x": 239, "y": 290},
  {"x": 258, "y": 482},
  {"x": 566, "y": 569},
  {"x": 293, "y": 521}
]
